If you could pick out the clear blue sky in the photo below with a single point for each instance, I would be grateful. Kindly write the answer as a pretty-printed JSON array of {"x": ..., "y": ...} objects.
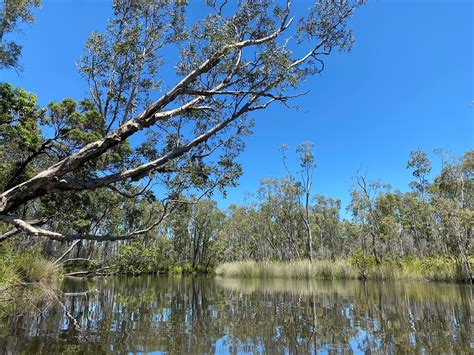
[{"x": 407, "y": 84}]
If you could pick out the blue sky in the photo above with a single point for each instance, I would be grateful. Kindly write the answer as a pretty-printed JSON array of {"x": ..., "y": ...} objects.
[{"x": 406, "y": 84}]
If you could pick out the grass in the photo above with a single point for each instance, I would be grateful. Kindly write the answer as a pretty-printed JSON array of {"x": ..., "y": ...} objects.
[
  {"x": 25, "y": 267},
  {"x": 34, "y": 268},
  {"x": 301, "y": 269},
  {"x": 409, "y": 269}
]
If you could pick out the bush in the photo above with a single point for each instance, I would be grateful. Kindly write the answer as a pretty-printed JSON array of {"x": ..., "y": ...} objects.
[
  {"x": 177, "y": 269},
  {"x": 137, "y": 259},
  {"x": 363, "y": 263}
]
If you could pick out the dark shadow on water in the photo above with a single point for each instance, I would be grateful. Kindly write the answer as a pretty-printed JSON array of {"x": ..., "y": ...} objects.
[{"x": 220, "y": 315}]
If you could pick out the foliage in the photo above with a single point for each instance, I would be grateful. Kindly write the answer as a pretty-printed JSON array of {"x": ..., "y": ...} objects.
[
  {"x": 11, "y": 13},
  {"x": 363, "y": 263},
  {"x": 61, "y": 164},
  {"x": 137, "y": 259}
]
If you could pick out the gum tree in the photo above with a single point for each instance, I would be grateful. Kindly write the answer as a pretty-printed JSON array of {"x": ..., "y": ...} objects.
[
  {"x": 142, "y": 137},
  {"x": 13, "y": 12}
]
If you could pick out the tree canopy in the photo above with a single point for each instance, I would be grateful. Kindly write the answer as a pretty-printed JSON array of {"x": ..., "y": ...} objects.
[{"x": 70, "y": 169}]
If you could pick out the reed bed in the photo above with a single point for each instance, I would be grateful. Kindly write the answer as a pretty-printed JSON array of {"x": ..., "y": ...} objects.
[{"x": 429, "y": 269}]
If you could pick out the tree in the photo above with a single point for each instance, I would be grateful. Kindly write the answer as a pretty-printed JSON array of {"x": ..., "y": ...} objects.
[
  {"x": 12, "y": 12},
  {"x": 421, "y": 166},
  {"x": 307, "y": 165},
  {"x": 364, "y": 209},
  {"x": 420, "y": 207},
  {"x": 228, "y": 67},
  {"x": 281, "y": 217},
  {"x": 303, "y": 186},
  {"x": 20, "y": 138},
  {"x": 325, "y": 214},
  {"x": 205, "y": 226},
  {"x": 452, "y": 196},
  {"x": 243, "y": 234}
]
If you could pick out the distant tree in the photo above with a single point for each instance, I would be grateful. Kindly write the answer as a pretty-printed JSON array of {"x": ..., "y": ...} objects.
[
  {"x": 326, "y": 220},
  {"x": 421, "y": 166},
  {"x": 452, "y": 196},
  {"x": 280, "y": 210},
  {"x": 365, "y": 196},
  {"x": 307, "y": 165}
]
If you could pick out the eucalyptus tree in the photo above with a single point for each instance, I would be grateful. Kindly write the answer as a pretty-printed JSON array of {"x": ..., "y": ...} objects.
[
  {"x": 363, "y": 206},
  {"x": 421, "y": 165},
  {"x": 205, "y": 227},
  {"x": 326, "y": 220},
  {"x": 283, "y": 227},
  {"x": 234, "y": 61},
  {"x": 419, "y": 215},
  {"x": 307, "y": 166},
  {"x": 303, "y": 186},
  {"x": 245, "y": 235},
  {"x": 13, "y": 12},
  {"x": 452, "y": 196}
]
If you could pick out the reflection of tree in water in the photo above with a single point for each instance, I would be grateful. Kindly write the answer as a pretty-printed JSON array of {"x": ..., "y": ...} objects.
[{"x": 199, "y": 315}]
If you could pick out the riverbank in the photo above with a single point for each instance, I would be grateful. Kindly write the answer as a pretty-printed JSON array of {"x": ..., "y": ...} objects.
[
  {"x": 25, "y": 268},
  {"x": 408, "y": 269}
]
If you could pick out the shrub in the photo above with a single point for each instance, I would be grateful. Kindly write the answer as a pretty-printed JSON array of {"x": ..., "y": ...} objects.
[
  {"x": 177, "y": 269},
  {"x": 363, "y": 263},
  {"x": 137, "y": 259}
]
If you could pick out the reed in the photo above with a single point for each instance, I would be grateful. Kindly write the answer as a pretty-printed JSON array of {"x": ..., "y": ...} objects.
[
  {"x": 408, "y": 269},
  {"x": 301, "y": 269}
]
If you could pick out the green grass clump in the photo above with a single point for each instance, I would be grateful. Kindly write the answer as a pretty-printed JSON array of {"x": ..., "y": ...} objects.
[
  {"x": 25, "y": 267},
  {"x": 300, "y": 269},
  {"x": 430, "y": 269},
  {"x": 8, "y": 276},
  {"x": 360, "y": 266},
  {"x": 34, "y": 268}
]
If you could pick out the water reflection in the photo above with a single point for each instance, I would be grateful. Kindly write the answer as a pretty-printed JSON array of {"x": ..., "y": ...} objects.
[{"x": 213, "y": 315}]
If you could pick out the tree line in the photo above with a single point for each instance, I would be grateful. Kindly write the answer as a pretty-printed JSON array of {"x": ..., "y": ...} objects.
[
  {"x": 285, "y": 221},
  {"x": 434, "y": 219}
]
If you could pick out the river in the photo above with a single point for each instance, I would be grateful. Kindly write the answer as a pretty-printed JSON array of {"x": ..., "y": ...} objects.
[{"x": 178, "y": 315}]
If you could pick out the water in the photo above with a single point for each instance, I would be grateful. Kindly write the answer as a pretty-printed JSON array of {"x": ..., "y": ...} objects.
[{"x": 181, "y": 315}]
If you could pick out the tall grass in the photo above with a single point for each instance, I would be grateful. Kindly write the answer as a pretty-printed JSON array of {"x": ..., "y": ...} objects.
[
  {"x": 25, "y": 267},
  {"x": 34, "y": 268},
  {"x": 301, "y": 269},
  {"x": 409, "y": 269}
]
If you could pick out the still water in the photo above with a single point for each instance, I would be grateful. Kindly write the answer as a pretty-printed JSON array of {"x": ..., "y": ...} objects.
[{"x": 179, "y": 315}]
